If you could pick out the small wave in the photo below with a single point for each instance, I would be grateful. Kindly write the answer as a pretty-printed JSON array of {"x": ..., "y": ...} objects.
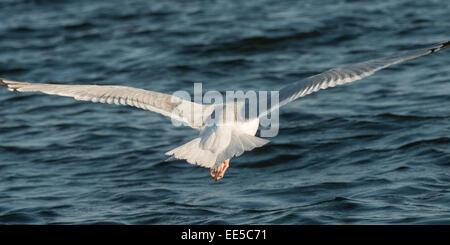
[
  {"x": 279, "y": 159},
  {"x": 5, "y": 129},
  {"x": 79, "y": 26},
  {"x": 12, "y": 71},
  {"x": 17, "y": 218},
  {"x": 407, "y": 117},
  {"x": 258, "y": 42},
  {"x": 21, "y": 29},
  {"x": 230, "y": 62},
  {"x": 441, "y": 140},
  {"x": 18, "y": 149}
]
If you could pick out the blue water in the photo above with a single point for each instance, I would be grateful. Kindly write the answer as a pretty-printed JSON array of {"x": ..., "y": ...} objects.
[{"x": 372, "y": 152}]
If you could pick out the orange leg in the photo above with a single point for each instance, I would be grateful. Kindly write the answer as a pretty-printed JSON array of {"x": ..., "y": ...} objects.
[{"x": 219, "y": 172}]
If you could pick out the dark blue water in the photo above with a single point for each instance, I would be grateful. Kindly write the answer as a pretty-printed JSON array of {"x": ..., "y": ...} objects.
[{"x": 373, "y": 152}]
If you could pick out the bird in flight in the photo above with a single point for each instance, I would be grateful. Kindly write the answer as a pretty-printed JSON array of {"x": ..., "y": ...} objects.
[{"x": 218, "y": 142}]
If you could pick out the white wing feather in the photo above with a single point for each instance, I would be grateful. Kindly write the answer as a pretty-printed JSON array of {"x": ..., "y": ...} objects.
[
  {"x": 164, "y": 104},
  {"x": 346, "y": 74}
]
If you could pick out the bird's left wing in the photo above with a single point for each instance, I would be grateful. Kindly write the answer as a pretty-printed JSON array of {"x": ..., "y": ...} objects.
[
  {"x": 345, "y": 74},
  {"x": 172, "y": 106}
]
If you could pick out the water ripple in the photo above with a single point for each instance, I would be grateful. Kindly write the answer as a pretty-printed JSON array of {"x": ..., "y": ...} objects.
[{"x": 373, "y": 152}]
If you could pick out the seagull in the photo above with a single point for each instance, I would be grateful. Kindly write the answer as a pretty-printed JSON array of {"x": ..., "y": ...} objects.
[{"x": 217, "y": 143}]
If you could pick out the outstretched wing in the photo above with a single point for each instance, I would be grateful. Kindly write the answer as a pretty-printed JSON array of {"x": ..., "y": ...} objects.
[
  {"x": 346, "y": 74},
  {"x": 165, "y": 104}
]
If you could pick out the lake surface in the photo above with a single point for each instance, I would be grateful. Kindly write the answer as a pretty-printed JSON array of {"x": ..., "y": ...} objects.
[{"x": 372, "y": 152}]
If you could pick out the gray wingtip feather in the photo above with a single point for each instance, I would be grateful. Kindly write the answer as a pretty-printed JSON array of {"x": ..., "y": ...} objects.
[
  {"x": 441, "y": 46},
  {"x": 3, "y": 84},
  {"x": 445, "y": 45},
  {"x": 7, "y": 84}
]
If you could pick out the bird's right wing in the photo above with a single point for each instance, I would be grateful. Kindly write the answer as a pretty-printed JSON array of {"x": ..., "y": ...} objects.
[
  {"x": 346, "y": 74},
  {"x": 172, "y": 106}
]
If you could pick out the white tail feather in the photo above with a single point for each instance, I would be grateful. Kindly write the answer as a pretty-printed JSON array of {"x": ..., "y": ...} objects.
[{"x": 193, "y": 153}]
